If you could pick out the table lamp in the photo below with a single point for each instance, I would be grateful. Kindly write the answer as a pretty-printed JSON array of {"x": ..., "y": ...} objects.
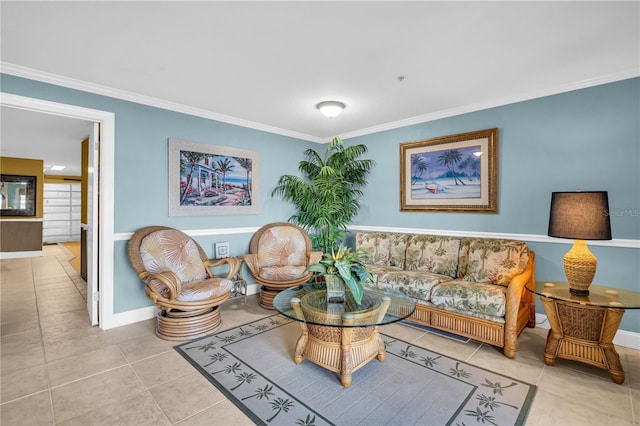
[{"x": 580, "y": 215}]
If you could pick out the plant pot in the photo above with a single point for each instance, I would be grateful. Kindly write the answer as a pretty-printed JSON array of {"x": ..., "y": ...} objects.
[{"x": 335, "y": 289}]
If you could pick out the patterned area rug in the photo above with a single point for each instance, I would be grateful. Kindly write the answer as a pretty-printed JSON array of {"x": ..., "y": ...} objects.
[{"x": 253, "y": 366}]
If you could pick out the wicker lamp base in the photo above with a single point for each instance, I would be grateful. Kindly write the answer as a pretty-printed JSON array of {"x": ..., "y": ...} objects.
[{"x": 580, "y": 267}]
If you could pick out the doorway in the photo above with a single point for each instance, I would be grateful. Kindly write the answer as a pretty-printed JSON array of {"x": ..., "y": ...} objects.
[{"x": 99, "y": 234}]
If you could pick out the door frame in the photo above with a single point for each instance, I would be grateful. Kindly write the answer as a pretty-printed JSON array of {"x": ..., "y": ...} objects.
[{"x": 105, "y": 164}]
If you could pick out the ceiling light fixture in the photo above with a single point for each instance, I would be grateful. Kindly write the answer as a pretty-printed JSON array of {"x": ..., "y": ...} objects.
[
  {"x": 330, "y": 109},
  {"x": 58, "y": 168}
]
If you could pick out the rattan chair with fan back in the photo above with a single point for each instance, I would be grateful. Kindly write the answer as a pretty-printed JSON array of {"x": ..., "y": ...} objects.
[
  {"x": 279, "y": 254},
  {"x": 179, "y": 281}
]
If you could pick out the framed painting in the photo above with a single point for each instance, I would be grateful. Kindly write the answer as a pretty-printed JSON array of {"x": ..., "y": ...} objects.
[
  {"x": 457, "y": 173},
  {"x": 211, "y": 180}
]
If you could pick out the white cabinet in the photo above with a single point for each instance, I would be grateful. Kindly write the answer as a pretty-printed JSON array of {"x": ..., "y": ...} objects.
[{"x": 61, "y": 221}]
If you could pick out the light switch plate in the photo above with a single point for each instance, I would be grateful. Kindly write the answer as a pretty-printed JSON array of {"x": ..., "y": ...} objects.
[{"x": 222, "y": 250}]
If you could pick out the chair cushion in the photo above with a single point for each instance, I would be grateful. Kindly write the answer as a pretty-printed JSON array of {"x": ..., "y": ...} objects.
[
  {"x": 282, "y": 273},
  {"x": 193, "y": 291},
  {"x": 282, "y": 246},
  {"x": 172, "y": 250},
  {"x": 207, "y": 289}
]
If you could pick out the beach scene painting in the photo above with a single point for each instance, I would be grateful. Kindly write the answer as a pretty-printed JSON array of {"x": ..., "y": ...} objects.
[
  {"x": 211, "y": 179},
  {"x": 451, "y": 173}
]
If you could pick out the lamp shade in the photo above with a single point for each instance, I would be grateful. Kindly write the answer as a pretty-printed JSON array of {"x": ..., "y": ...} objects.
[{"x": 581, "y": 215}]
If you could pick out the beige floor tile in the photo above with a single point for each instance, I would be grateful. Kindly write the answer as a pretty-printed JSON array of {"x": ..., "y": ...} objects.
[
  {"x": 56, "y": 349},
  {"x": 80, "y": 397},
  {"x": 162, "y": 368},
  {"x": 222, "y": 414},
  {"x": 72, "y": 319},
  {"x": 585, "y": 389},
  {"x": 21, "y": 350},
  {"x": 557, "y": 410},
  {"x": 85, "y": 364},
  {"x": 23, "y": 382},
  {"x": 34, "y": 410},
  {"x": 11, "y": 327},
  {"x": 145, "y": 346},
  {"x": 635, "y": 403},
  {"x": 137, "y": 410},
  {"x": 193, "y": 392},
  {"x": 133, "y": 331}
]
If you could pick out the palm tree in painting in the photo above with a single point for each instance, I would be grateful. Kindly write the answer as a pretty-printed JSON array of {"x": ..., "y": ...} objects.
[
  {"x": 224, "y": 166},
  {"x": 449, "y": 159},
  {"x": 471, "y": 166},
  {"x": 189, "y": 162},
  {"x": 246, "y": 164},
  {"x": 419, "y": 166}
]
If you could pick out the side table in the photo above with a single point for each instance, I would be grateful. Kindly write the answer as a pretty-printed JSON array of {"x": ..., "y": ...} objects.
[{"x": 583, "y": 326}]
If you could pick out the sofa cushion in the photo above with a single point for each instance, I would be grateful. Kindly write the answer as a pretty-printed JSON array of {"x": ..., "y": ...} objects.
[
  {"x": 416, "y": 284},
  {"x": 384, "y": 248},
  {"x": 483, "y": 300},
  {"x": 491, "y": 260},
  {"x": 376, "y": 244},
  {"x": 433, "y": 253}
]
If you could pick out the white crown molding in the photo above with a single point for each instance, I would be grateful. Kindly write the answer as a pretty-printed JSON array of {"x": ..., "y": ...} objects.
[
  {"x": 44, "y": 77},
  {"x": 521, "y": 97},
  {"x": 33, "y": 74}
]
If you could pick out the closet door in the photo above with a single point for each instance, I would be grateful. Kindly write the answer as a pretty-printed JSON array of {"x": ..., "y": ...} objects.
[{"x": 61, "y": 220}]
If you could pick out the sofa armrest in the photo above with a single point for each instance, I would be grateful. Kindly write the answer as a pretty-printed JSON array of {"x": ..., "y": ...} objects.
[{"x": 520, "y": 286}]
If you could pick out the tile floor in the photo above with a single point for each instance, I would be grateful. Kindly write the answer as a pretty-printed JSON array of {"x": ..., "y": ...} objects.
[{"x": 57, "y": 370}]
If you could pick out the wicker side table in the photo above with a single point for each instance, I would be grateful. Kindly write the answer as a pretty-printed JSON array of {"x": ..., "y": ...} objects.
[{"x": 583, "y": 327}]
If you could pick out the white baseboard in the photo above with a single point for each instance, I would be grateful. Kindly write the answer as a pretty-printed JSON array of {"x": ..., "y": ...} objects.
[
  {"x": 143, "y": 314},
  {"x": 625, "y": 338},
  {"x": 19, "y": 254}
]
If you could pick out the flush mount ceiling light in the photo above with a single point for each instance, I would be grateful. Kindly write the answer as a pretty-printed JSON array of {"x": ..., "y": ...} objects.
[
  {"x": 330, "y": 109},
  {"x": 58, "y": 168}
]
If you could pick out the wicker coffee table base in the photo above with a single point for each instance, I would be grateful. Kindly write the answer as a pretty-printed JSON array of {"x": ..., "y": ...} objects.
[
  {"x": 583, "y": 333},
  {"x": 343, "y": 349}
]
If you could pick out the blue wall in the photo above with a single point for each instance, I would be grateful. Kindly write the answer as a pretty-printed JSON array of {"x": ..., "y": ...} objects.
[{"x": 587, "y": 139}]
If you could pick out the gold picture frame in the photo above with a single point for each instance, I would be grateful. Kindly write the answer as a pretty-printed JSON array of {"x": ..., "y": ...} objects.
[{"x": 457, "y": 173}]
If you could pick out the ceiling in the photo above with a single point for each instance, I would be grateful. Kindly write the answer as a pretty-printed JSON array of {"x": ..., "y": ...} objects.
[{"x": 267, "y": 64}]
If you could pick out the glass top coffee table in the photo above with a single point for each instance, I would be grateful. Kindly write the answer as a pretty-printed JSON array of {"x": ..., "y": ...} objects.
[{"x": 341, "y": 337}]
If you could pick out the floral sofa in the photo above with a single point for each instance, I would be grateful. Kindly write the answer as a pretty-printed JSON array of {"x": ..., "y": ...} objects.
[{"x": 473, "y": 287}]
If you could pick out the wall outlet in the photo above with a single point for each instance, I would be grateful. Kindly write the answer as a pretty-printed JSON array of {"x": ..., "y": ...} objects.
[{"x": 222, "y": 250}]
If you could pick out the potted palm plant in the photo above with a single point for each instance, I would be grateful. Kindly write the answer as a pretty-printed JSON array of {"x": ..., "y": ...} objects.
[
  {"x": 340, "y": 267},
  {"x": 327, "y": 196}
]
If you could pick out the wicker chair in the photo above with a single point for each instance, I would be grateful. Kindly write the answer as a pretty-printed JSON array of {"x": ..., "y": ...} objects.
[
  {"x": 179, "y": 281},
  {"x": 278, "y": 255}
]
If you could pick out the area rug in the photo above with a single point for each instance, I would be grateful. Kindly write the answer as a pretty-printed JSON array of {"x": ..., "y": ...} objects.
[{"x": 252, "y": 365}]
